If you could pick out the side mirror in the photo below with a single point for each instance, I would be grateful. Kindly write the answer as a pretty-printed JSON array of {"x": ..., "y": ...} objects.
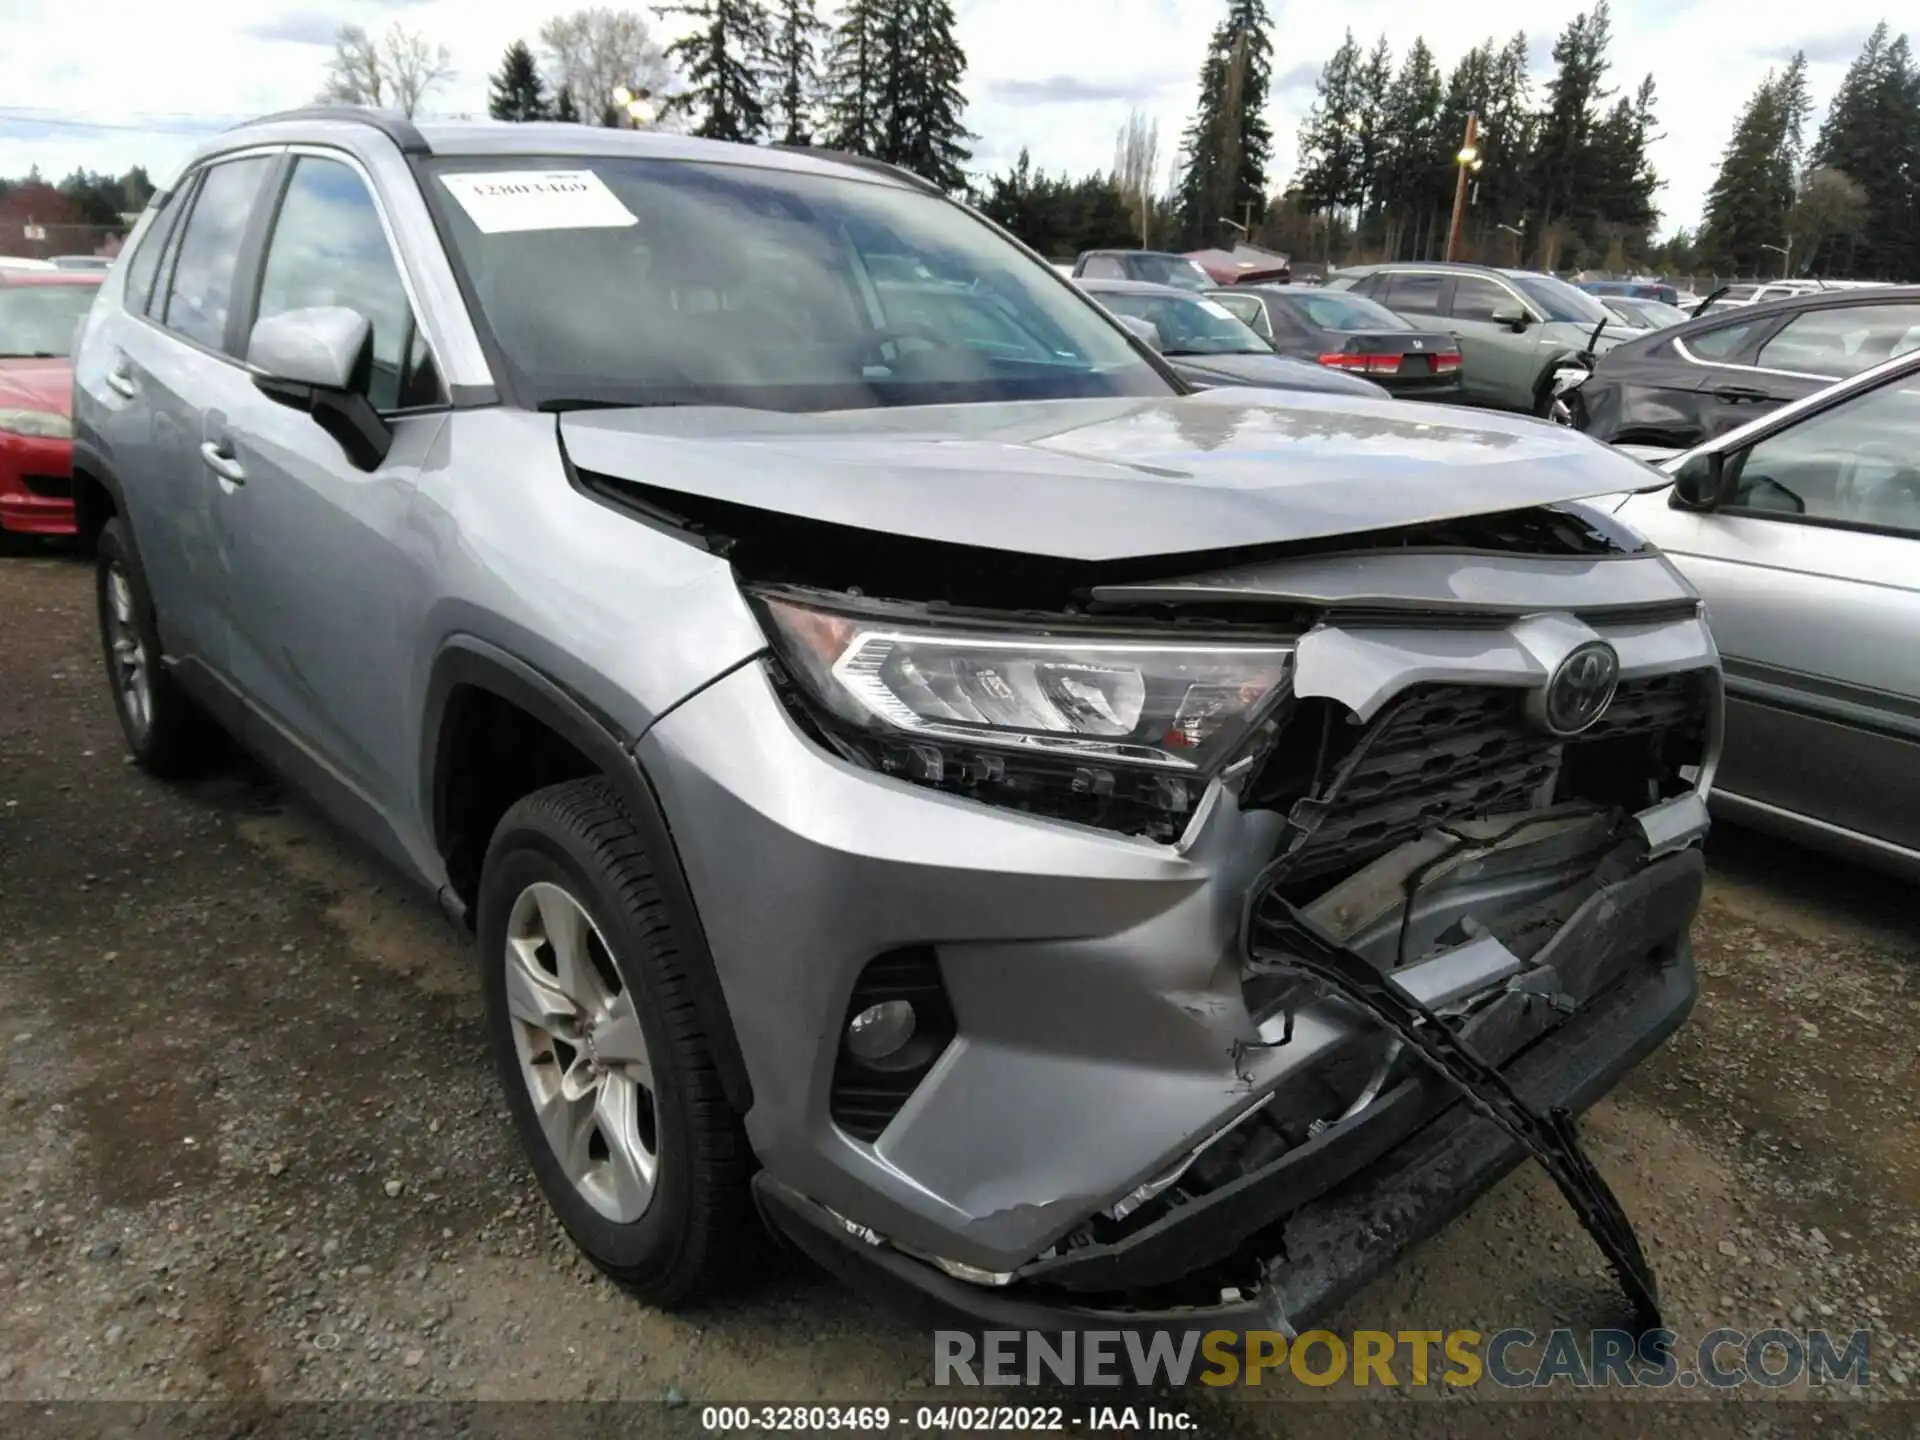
[
  {"x": 1144, "y": 330},
  {"x": 1701, "y": 483},
  {"x": 317, "y": 360},
  {"x": 1513, "y": 315}
]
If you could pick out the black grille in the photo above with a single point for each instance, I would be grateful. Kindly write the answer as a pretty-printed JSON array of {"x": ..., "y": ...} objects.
[
  {"x": 1456, "y": 752},
  {"x": 866, "y": 1095},
  {"x": 50, "y": 487}
]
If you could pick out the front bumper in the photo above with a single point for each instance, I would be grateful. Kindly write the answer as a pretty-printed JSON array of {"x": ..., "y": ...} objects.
[
  {"x": 1419, "y": 1160},
  {"x": 1103, "y": 1030},
  {"x": 36, "y": 495}
]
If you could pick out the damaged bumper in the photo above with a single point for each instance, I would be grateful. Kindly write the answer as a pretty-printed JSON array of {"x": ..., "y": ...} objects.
[{"x": 1116, "y": 1118}]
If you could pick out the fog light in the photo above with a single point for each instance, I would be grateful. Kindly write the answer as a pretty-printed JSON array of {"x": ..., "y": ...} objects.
[{"x": 880, "y": 1030}]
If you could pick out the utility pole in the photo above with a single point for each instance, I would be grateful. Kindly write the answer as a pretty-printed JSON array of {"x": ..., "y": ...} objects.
[
  {"x": 1232, "y": 120},
  {"x": 1467, "y": 159}
]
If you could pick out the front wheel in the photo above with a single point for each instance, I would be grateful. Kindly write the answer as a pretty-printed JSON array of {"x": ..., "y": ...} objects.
[{"x": 607, "y": 1070}]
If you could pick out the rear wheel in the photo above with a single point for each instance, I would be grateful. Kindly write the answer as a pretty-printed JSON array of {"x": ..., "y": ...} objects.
[
  {"x": 607, "y": 1070},
  {"x": 168, "y": 734}
]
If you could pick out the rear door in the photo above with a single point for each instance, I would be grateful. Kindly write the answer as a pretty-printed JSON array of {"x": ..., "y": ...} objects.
[
  {"x": 177, "y": 360},
  {"x": 1811, "y": 575}
]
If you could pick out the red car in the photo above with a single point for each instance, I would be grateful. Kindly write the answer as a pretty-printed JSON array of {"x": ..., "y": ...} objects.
[{"x": 40, "y": 312}]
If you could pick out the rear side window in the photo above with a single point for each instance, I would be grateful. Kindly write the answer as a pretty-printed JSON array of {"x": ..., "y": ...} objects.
[
  {"x": 1246, "y": 308},
  {"x": 1719, "y": 344},
  {"x": 1103, "y": 267},
  {"x": 1844, "y": 340},
  {"x": 145, "y": 262},
  {"x": 329, "y": 248},
  {"x": 1412, "y": 294},
  {"x": 200, "y": 298}
]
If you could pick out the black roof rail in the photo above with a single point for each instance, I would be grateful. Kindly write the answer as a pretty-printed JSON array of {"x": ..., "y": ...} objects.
[
  {"x": 866, "y": 162},
  {"x": 396, "y": 127}
]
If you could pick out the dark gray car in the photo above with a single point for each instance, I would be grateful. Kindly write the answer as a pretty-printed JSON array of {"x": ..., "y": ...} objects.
[{"x": 1067, "y": 848}]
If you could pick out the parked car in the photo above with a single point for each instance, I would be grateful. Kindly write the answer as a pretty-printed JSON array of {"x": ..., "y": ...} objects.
[
  {"x": 1802, "y": 530},
  {"x": 1688, "y": 383},
  {"x": 857, "y": 741},
  {"x": 1642, "y": 314},
  {"x": 22, "y": 262},
  {"x": 83, "y": 262},
  {"x": 1516, "y": 328},
  {"x": 1351, "y": 334},
  {"x": 1208, "y": 346},
  {"x": 1632, "y": 290},
  {"x": 39, "y": 313},
  {"x": 1154, "y": 267}
]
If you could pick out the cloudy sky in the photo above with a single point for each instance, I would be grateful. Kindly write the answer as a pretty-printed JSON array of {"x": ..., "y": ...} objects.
[{"x": 106, "y": 84}]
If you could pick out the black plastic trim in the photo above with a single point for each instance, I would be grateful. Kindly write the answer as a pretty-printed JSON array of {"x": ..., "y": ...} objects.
[{"x": 467, "y": 660}]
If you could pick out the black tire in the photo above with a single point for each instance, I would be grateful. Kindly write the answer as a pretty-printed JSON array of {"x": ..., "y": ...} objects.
[
  {"x": 700, "y": 1223},
  {"x": 176, "y": 737}
]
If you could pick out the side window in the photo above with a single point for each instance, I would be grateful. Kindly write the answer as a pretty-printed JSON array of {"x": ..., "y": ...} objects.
[
  {"x": 1843, "y": 341},
  {"x": 1476, "y": 298},
  {"x": 1246, "y": 308},
  {"x": 328, "y": 248},
  {"x": 1413, "y": 294},
  {"x": 200, "y": 297},
  {"x": 1856, "y": 464},
  {"x": 1103, "y": 267},
  {"x": 145, "y": 262},
  {"x": 1718, "y": 344}
]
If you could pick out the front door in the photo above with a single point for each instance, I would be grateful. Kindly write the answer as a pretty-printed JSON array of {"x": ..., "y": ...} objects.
[
  {"x": 325, "y": 585},
  {"x": 1811, "y": 574},
  {"x": 1498, "y": 364}
]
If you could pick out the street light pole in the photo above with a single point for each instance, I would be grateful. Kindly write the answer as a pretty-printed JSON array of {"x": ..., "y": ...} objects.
[
  {"x": 1785, "y": 252},
  {"x": 1468, "y": 159}
]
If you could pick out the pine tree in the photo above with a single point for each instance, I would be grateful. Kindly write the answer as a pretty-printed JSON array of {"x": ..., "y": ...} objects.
[
  {"x": 726, "y": 61},
  {"x": 795, "y": 65},
  {"x": 923, "y": 127},
  {"x": 1329, "y": 145},
  {"x": 1568, "y": 166},
  {"x": 1228, "y": 142},
  {"x": 564, "y": 109},
  {"x": 1371, "y": 123},
  {"x": 1872, "y": 133},
  {"x": 1747, "y": 206},
  {"x": 1413, "y": 164},
  {"x": 856, "y": 66},
  {"x": 518, "y": 93}
]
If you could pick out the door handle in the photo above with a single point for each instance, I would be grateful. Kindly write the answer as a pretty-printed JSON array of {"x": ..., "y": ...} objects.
[
  {"x": 118, "y": 379},
  {"x": 221, "y": 462}
]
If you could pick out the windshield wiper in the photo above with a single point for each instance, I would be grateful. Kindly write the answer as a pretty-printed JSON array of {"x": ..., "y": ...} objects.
[{"x": 1279, "y": 939}]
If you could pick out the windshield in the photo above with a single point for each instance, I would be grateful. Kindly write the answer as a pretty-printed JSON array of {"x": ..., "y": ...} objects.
[
  {"x": 1558, "y": 300},
  {"x": 1188, "y": 325},
  {"x": 1171, "y": 270},
  {"x": 627, "y": 281},
  {"x": 40, "y": 320},
  {"x": 1338, "y": 310},
  {"x": 1659, "y": 314}
]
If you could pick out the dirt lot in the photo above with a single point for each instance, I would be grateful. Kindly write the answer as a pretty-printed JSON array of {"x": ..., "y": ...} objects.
[{"x": 250, "y": 1148}]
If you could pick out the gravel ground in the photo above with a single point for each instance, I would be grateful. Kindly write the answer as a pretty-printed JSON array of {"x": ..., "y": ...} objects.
[{"x": 251, "y": 1153}]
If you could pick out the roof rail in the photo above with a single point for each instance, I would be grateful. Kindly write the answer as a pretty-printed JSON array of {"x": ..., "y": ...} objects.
[
  {"x": 396, "y": 127},
  {"x": 866, "y": 162}
]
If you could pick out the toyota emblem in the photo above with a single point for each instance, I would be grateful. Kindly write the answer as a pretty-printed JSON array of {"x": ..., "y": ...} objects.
[{"x": 1580, "y": 689}]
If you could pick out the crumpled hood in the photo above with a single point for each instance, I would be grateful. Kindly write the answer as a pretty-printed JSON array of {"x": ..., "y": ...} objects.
[
  {"x": 36, "y": 385},
  {"x": 1274, "y": 371},
  {"x": 1107, "y": 479}
]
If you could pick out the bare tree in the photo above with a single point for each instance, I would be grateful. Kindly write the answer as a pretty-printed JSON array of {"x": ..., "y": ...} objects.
[
  {"x": 396, "y": 71},
  {"x": 1136, "y": 155},
  {"x": 594, "y": 53}
]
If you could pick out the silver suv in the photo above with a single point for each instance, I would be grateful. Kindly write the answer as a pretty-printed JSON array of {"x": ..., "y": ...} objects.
[{"x": 1066, "y": 848}]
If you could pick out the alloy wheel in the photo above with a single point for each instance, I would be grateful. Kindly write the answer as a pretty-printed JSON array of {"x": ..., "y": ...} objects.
[
  {"x": 131, "y": 678},
  {"x": 582, "y": 1053}
]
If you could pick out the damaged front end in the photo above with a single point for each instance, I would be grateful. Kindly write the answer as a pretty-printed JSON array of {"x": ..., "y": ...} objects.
[{"x": 1217, "y": 1050}]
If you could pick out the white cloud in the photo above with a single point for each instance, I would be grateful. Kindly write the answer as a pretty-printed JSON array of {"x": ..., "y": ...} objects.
[{"x": 111, "y": 84}]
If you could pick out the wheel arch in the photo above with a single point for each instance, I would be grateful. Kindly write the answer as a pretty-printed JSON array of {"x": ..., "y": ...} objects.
[
  {"x": 97, "y": 497},
  {"x": 467, "y": 667}
]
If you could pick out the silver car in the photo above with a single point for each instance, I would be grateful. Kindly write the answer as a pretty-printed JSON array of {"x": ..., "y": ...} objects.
[
  {"x": 1802, "y": 531},
  {"x": 1069, "y": 849}
]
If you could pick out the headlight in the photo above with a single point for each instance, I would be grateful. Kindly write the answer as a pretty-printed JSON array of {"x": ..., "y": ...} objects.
[
  {"x": 42, "y": 424},
  {"x": 1113, "y": 731}
]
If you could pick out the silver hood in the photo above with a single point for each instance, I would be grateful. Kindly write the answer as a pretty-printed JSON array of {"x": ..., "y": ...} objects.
[{"x": 1107, "y": 479}]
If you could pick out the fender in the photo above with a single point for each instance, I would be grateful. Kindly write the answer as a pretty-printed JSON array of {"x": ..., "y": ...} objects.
[
  {"x": 88, "y": 459},
  {"x": 467, "y": 660}
]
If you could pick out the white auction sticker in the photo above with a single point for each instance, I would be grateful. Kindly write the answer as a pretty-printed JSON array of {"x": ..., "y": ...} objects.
[{"x": 504, "y": 200}]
